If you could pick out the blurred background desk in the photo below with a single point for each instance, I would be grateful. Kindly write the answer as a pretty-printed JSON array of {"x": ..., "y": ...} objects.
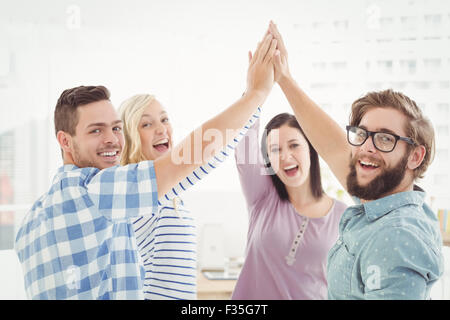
[
  {"x": 214, "y": 289},
  {"x": 446, "y": 239}
]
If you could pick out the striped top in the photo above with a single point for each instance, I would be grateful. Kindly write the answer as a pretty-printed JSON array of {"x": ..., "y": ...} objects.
[
  {"x": 167, "y": 241},
  {"x": 167, "y": 244}
]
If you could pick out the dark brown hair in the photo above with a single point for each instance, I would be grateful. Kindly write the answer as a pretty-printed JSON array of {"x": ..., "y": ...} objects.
[
  {"x": 314, "y": 171},
  {"x": 66, "y": 116},
  {"x": 417, "y": 127}
]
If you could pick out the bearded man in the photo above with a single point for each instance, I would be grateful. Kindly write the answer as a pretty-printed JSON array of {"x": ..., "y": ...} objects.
[{"x": 389, "y": 244}]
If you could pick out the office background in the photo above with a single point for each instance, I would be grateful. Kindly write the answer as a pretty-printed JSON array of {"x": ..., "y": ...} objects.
[{"x": 193, "y": 56}]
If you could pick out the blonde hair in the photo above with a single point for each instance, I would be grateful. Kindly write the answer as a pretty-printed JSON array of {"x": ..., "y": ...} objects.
[
  {"x": 418, "y": 127},
  {"x": 131, "y": 111}
]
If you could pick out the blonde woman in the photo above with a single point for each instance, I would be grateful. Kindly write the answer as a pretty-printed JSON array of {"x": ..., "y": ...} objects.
[{"x": 167, "y": 241}]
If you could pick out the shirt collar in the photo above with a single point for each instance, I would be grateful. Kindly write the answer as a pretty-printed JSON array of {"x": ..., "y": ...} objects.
[
  {"x": 377, "y": 208},
  {"x": 83, "y": 172},
  {"x": 67, "y": 167}
]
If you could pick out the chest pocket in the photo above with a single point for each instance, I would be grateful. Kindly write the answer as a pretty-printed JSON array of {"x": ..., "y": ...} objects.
[{"x": 340, "y": 267}]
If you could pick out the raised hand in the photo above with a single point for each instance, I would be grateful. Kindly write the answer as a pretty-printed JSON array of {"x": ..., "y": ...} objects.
[
  {"x": 280, "y": 56},
  {"x": 260, "y": 74}
]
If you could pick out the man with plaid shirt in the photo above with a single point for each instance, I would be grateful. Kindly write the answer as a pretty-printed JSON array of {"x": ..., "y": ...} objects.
[{"x": 77, "y": 240}]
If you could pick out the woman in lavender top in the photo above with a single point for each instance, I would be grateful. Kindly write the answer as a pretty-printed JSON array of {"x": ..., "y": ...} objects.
[{"x": 292, "y": 222}]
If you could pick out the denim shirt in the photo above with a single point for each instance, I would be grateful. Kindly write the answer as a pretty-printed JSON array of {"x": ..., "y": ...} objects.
[{"x": 389, "y": 248}]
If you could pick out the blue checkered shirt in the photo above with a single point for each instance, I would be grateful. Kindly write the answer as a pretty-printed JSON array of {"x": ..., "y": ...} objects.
[{"x": 77, "y": 241}]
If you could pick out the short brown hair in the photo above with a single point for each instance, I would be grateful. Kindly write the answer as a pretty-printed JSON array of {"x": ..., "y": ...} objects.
[
  {"x": 418, "y": 127},
  {"x": 66, "y": 116}
]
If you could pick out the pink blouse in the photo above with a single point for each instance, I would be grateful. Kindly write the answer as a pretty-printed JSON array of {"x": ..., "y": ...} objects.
[{"x": 273, "y": 227}]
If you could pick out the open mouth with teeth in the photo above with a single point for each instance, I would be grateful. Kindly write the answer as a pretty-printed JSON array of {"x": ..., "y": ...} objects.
[
  {"x": 162, "y": 146},
  {"x": 109, "y": 155},
  {"x": 368, "y": 165},
  {"x": 291, "y": 170}
]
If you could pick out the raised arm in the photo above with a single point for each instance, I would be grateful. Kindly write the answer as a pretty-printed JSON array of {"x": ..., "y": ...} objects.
[
  {"x": 219, "y": 157},
  {"x": 259, "y": 83},
  {"x": 327, "y": 137},
  {"x": 252, "y": 174}
]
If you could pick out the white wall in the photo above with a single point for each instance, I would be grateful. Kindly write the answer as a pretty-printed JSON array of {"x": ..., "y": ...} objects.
[
  {"x": 193, "y": 56},
  {"x": 11, "y": 278}
]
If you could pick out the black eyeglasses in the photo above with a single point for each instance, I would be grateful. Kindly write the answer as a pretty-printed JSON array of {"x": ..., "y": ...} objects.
[{"x": 384, "y": 142}]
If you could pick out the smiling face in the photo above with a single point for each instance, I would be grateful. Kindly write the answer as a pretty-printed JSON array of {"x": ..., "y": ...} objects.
[
  {"x": 155, "y": 131},
  {"x": 373, "y": 173},
  {"x": 98, "y": 138},
  {"x": 288, "y": 153}
]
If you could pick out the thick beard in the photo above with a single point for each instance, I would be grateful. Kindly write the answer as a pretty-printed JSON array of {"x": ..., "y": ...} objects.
[{"x": 384, "y": 183}]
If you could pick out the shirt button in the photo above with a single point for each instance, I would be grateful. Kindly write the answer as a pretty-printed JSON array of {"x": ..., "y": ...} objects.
[{"x": 339, "y": 242}]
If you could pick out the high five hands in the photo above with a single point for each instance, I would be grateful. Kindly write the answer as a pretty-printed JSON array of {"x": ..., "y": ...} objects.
[
  {"x": 268, "y": 64},
  {"x": 281, "y": 56},
  {"x": 260, "y": 74}
]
